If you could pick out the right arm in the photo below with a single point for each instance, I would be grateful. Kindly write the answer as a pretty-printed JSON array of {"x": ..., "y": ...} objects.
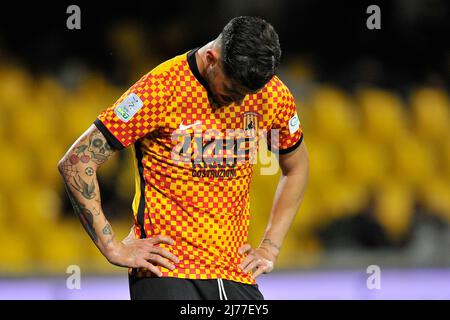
[{"x": 79, "y": 168}]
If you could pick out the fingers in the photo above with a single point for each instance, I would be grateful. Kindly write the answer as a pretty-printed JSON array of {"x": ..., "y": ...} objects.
[
  {"x": 146, "y": 253},
  {"x": 252, "y": 265},
  {"x": 244, "y": 249},
  {"x": 161, "y": 239},
  {"x": 248, "y": 259},
  {"x": 158, "y": 260},
  {"x": 165, "y": 253},
  {"x": 260, "y": 270},
  {"x": 145, "y": 264},
  {"x": 160, "y": 256},
  {"x": 254, "y": 262}
]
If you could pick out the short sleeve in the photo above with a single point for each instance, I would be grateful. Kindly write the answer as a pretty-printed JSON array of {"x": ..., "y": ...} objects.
[
  {"x": 286, "y": 134},
  {"x": 138, "y": 112}
]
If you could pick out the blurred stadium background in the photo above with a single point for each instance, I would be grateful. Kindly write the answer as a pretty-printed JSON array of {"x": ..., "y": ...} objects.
[{"x": 374, "y": 105}]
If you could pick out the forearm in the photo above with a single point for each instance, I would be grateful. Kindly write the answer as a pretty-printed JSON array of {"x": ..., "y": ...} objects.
[
  {"x": 79, "y": 171},
  {"x": 288, "y": 197},
  {"x": 90, "y": 213}
]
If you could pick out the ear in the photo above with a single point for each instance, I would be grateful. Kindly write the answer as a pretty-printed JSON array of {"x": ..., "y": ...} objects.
[{"x": 212, "y": 57}]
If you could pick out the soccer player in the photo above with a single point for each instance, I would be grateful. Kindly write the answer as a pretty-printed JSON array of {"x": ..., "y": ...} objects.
[{"x": 191, "y": 123}]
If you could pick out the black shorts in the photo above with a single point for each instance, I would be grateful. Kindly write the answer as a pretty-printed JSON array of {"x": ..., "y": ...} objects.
[{"x": 187, "y": 289}]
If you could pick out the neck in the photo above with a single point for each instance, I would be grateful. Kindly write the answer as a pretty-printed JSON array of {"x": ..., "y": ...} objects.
[{"x": 200, "y": 58}]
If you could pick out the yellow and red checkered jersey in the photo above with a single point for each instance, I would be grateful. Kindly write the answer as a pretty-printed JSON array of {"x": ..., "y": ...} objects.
[{"x": 193, "y": 167}]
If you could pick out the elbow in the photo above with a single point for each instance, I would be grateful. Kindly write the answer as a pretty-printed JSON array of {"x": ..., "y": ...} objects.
[{"x": 61, "y": 166}]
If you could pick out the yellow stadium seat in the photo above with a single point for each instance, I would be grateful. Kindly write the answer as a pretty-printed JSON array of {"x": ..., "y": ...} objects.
[
  {"x": 3, "y": 211},
  {"x": 364, "y": 162},
  {"x": 444, "y": 154},
  {"x": 413, "y": 162},
  {"x": 33, "y": 126},
  {"x": 3, "y": 126},
  {"x": 325, "y": 160},
  {"x": 333, "y": 115},
  {"x": 57, "y": 247},
  {"x": 16, "y": 251},
  {"x": 394, "y": 206},
  {"x": 16, "y": 87},
  {"x": 50, "y": 93},
  {"x": 344, "y": 198},
  {"x": 83, "y": 105},
  {"x": 383, "y": 114},
  {"x": 299, "y": 251},
  {"x": 76, "y": 118},
  {"x": 36, "y": 205},
  {"x": 46, "y": 171},
  {"x": 17, "y": 168},
  {"x": 436, "y": 197},
  {"x": 312, "y": 213},
  {"x": 431, "y": 114}
]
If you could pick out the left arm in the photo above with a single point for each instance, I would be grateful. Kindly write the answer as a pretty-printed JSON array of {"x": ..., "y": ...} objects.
[{"x": 288, "y": 197}]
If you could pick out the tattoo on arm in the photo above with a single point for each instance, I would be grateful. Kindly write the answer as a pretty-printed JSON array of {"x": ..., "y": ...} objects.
[
  {"x": 68, "y": 169},
  {"x": 84, "y": 214},
  {"x": 99, "y": 148},
  {"x": 107, "y": 229},
  {"x": 92, "y": 150},
  {"x": 96, "y": 212},
  {"x": 86, "y": 190},
  {"x": 270, "y": 243},
  {"x": 89, "y": 171}
]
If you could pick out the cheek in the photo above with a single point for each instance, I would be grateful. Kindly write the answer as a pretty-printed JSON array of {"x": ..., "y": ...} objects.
[
  {"x": 214, "y": 81},
  {"x": 211, "y": 78}
]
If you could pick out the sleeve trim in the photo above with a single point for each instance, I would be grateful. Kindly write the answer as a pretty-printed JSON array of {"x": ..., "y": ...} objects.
[
  {"x": 112, "y": 140},
  {"x": 290, "y": 149}
]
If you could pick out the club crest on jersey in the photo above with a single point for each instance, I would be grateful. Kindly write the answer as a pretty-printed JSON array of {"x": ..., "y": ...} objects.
[
  {"x": 128, "y": 107},
  {"x": 250, "y": 121}
]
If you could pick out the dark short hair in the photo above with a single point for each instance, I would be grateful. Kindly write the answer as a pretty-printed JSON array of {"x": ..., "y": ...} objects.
[{"x": 250, "y": 51}]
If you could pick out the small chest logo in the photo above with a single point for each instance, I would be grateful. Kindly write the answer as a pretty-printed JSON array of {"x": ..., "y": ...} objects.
[
  {"x": 294, "y": 124},
  {"x": 250, "y": 121}
]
